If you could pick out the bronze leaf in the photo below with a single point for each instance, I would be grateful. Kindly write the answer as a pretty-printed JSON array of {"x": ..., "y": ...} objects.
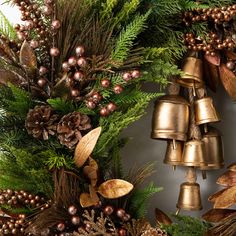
[
  {"x": 162, "y": 218},
  {"x": 232, "y": 167},
  {"x": 228, "y": 80},
  {"x": 228, "y": 179},
  {"x": 85, "y": 146},
  {"x": 86, "y": 200},
  {"x": 226, "y": 199},
  {"x": 115, "y": 188},
  {"x": 28, "y": 57},
  {"x": 214, "y": 196},
  {"x": 8, "y": 77},
  {"x": 216, "y": 215},
  {"x": 214, "y": 60},
  {"x": 230, "y": 54}
]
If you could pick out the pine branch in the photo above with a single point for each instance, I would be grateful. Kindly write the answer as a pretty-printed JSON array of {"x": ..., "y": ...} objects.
[
  {"x": 6, "y": 28},
  {"x": 62, "y": 106},
  {"x": 127, "y": 37},
  {"x": 139, "y": 199},
  {"x": 107, "y": 8}
]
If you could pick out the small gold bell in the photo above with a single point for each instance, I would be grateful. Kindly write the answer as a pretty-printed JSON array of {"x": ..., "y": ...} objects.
[
  {"x": 193, "y": 153},
  {"x": 189, "y": 197},
  {"x": 205, "y": 111},
  {"x": 213, "y": 144},
  {"x": 174, "y": 153},
  {"x": 193, "y": 73},
  {"x": 170, "y": 118}
]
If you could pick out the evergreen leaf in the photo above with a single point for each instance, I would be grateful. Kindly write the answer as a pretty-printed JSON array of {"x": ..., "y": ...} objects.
[
  {"x": 6, "y": 28},
  {"x": 140, "y": 198},
  {"x": 61, "y": 105},
  {"x": 127, "y": 36}
]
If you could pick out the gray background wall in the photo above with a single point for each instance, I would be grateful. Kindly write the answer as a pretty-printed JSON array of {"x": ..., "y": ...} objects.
[{"x": 142, "y": 149}]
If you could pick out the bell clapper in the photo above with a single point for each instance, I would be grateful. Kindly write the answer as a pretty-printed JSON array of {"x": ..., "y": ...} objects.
[
  {"x": 194, "y": 90},
  {"x": 174, "y": 144},
  {"x": 191, "y": 175},
  {"x": 204, "y": 174},
  {"x": 205, "y": 128},
  {"x": 177, "y": 212},
  {"x": 174, "y": 168}
]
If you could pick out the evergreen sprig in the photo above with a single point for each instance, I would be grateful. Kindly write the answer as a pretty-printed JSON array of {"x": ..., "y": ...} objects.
[
  {"x": 6, "y": 27},
  {"x": 127, "y": 37},
  {"x": 187, "y": 225},
  {"x": 140, "y": 198}
]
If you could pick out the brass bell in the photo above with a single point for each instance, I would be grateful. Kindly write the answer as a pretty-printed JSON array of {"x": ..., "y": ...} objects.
[
  {"x": 205, "y": 111},
  {"x": 214, "y": 158},
  {"x": 193, "y": 73},
  {"x": 193, "y": 153},
  {"x": 189, "y": 197},
  {"x": 170, "y": 118},
  {"x": 174, "y": 153}
]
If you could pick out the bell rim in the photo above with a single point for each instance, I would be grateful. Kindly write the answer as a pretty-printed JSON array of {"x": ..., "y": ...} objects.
[
  {"x": 209, "y": 120},
  {"x": 168, "y": 136}
]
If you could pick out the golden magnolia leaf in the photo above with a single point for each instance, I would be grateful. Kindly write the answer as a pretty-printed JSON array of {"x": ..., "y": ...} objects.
[
  {"x": 228, "y": 80},
  {"x": 226, "y": 199},
  {"x": 232, "y": 167},
  {"x": 228, "y": 179},
  {"x": 214, "y": 196},
  {"x": 115, "y": 188},
  {"x": 86, "y": 200},
  {"x": 85, "y": 146},
  {"x": 27, "y": 56},
  {"x": 162, "y": 218},
  {"x": 8, "y": 77},
  {"x": 216, "y": 215},
  {"x": 214, "y": 60},
  {"x": 93, "y": 163}
]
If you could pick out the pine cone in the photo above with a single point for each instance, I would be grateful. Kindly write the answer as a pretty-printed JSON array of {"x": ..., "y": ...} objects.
[
  {"x": 154, "y": 232},
  {"x": 41, "y": 122},
  {"x": 70, "y": 128}
]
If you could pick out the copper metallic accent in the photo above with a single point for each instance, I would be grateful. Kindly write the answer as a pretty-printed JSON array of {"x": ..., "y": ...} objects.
[
  {"x": 205, "y": 111},
  {"x": 193, "y": 73},
  {"x": 193, "y": 153},
  {"x": 189, "y": 197},
  {"x": 214, "y": 158},
  {"x": 174, "y": 153},
  {"x": 170, "y": 118}
]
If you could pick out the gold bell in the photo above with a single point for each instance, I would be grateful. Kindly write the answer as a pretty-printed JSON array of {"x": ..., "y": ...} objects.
[
  {"x": 189, "y": 197},
  {"x": 213, "y": 144},
  {"x": 205, "y": 111},
  {"x": 170, "y": 118},
  {"x": 193, "y": 153},
  {"x": 193, "y": 73},
  {"x": 174, "y": 153}
]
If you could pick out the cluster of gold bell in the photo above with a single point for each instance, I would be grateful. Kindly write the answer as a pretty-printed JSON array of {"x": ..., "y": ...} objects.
[{"x": 172, "y": 122}]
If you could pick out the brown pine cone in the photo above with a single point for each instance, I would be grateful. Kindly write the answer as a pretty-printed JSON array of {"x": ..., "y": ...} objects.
[
  {"x": 41, "y": 122},
  {"x": 154, "y": 232},
  {"x": 71, "y": 128}
]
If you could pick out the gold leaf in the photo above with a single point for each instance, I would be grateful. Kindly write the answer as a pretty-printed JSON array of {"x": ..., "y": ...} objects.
[
  {"x": 115, "y": 188},
  {"x": 226, "y": 199},
  {"x": 228, "y": 179},
  {"x": 232, "y": 167},
  {"x": 85, "y": 146},
  {"x": 8, "y": 77},
  {"x": 214, "y": 60},
  {"x": 162, "y": 218},
  {"x": 86, "y": 200},
  {"x": 62, "y": 87},
  {"x": 27, "y": 56},
  {"x": 216, "y": 215},
  {"x": 214, "y": 196},
  {"x": 228, "y": 80}
]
